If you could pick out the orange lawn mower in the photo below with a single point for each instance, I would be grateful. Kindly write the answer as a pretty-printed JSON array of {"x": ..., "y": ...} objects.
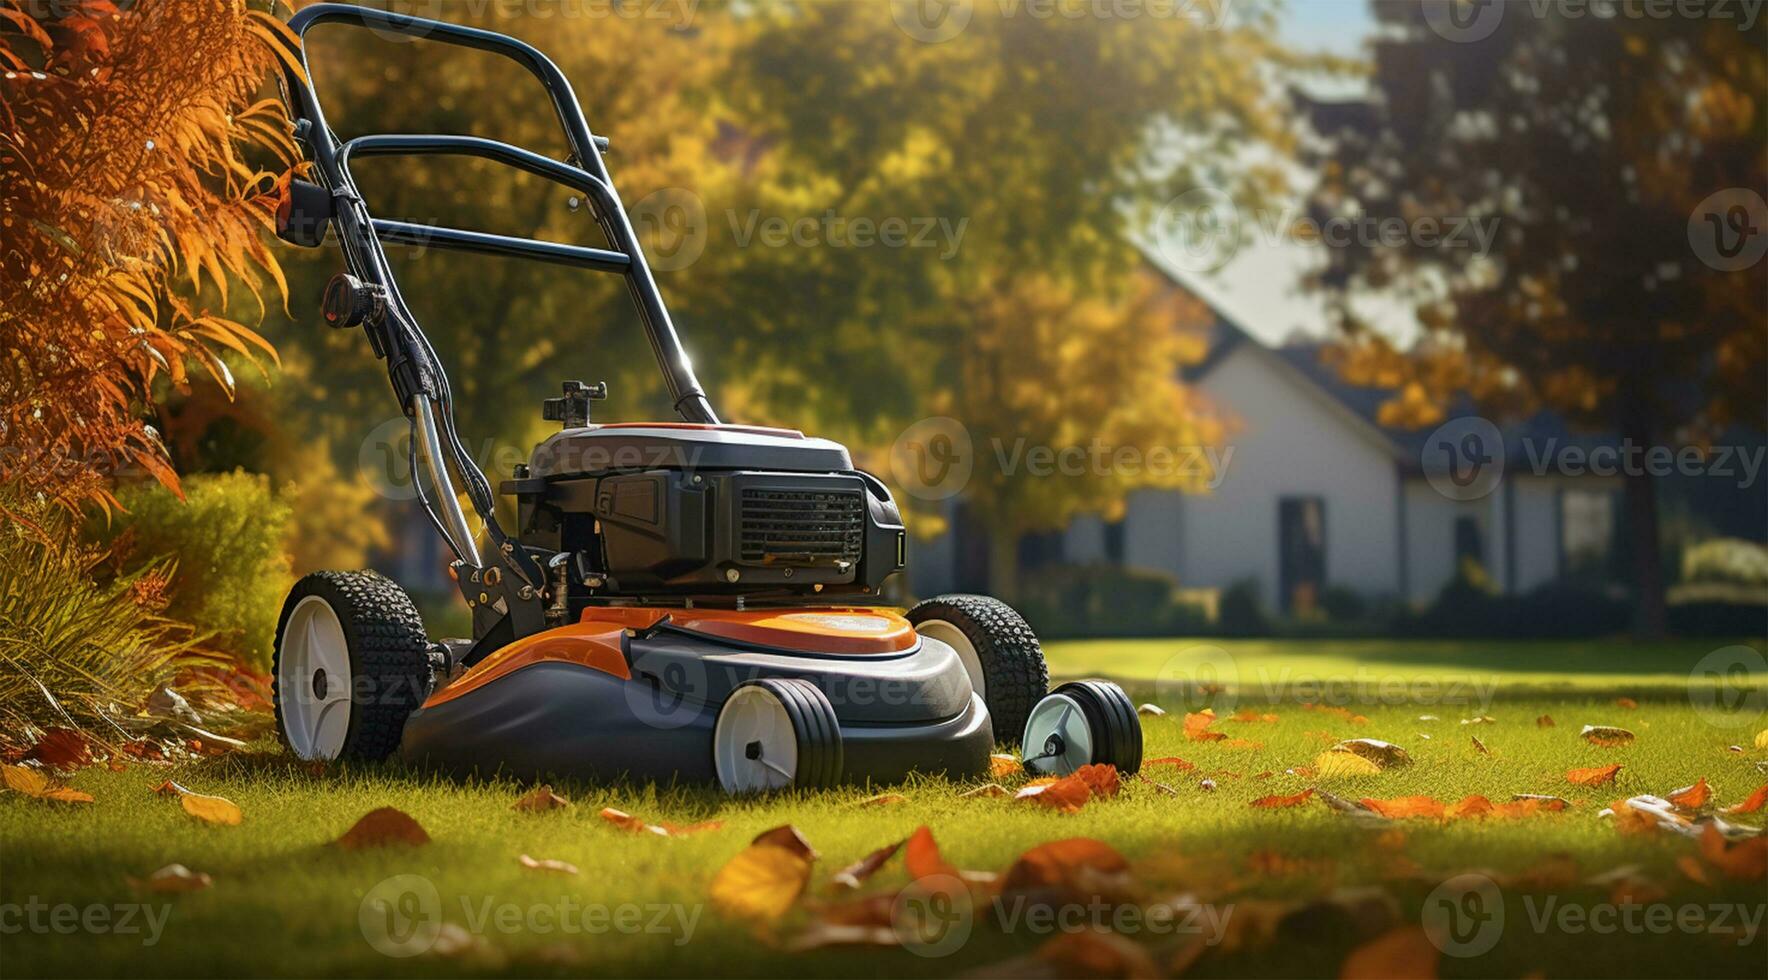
[{"x": 683, "y": 601}]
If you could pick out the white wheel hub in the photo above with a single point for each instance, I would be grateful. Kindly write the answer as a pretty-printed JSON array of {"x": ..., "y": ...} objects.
[
  {"x": 951, "y": 636},
  {"x": 1058, "y": 739},
  {"x": 313, "y": 680},
  {"x": 753, "y": 745}
]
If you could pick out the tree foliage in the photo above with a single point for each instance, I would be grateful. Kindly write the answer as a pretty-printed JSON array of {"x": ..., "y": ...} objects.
[{"x": 137, "y": 166}]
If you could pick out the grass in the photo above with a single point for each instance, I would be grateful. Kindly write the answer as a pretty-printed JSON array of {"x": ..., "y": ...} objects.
[{"x": 285, "y": 903}]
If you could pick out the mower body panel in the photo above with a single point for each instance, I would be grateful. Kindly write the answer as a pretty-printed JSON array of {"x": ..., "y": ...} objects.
[
  {"x": 675, "y": 445},
  {"x": 558, "y": 705}
]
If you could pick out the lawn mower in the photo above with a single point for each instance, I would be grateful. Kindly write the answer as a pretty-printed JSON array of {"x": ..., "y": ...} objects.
[{"x": 684, "y": 601}]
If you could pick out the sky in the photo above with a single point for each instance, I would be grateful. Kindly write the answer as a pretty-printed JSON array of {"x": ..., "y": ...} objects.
[{"x": 1259, "y": 287}]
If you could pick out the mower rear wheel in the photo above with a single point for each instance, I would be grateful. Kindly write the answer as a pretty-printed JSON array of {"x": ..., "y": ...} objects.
[
  {"x": 777, "y": 733},
  {"x": 999, "y": 651},
  {"x": 351, "y": 663},
  {"x": 1081, "y": 723}
]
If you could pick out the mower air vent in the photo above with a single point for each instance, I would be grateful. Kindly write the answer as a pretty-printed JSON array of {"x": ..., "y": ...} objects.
[{"x": 801, "y": 527}]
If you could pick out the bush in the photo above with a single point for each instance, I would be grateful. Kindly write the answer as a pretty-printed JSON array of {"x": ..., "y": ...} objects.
[
  {"x": 1731, "y": 561},
  {"x": 226, "y": 541},
  {"x": 1344, "y": 604},
  {"x": 69, "y": 646},
  {"x": 1105, "y": 600},
  {"x": 1242, "y": 614},
  {"x": 1470, "y": 606}
]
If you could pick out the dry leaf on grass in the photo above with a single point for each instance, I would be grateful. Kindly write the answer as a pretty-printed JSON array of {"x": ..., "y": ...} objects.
[
  {"x": 1755, "y": 802},
  {"x": 1005, "y": 766},
  {"x": 1274, "y": 802},
  {"x": 856, "y": 873},
  {"x": 1544, "y": 801},
  {"x": 1762, "y": 739},
  {"x": 1545, "y": 721},
  {"x": 1248, "y": 714},
  {"x": 171, "y": 879},
  {"x": 548, "y": 864},
  {"x": 1171, "y": 760},
  {"x": 882, "y": 799},
  {"x": 1692, "y": 797},
  {"x": 1197, "y": 726},
  {"x": 540, "y": 800},
  {"x": 988, "y": 790},
  {"x": 1101, "y": 778},
  {"x": 626, "y": 821},
  {"x": 1405, "y": 953},
  {"x": 1079, "y": 867},
  {"x": 1594, "y": 776},
  {"x": 1150, "y": 710},
  {"x": 1405, "y": 806},
  {"x": 1745, "y": 860},
  {"x": 1627, "y": 703},
  {"x": 1606, "y": 736},
  {"x": 382, "y": 827},
  {"x": 763, "y": 881},
  {"x": 62, "y": 748},
  {"x": 1479, "y": 746},
  {"x": 30, "y": 782},
  {"x": 1335, "y": 764},
  {"x": 1385, "y": 755},
  {"x": 209, "y": 809},
  {"x": 1067, "y": 794}
]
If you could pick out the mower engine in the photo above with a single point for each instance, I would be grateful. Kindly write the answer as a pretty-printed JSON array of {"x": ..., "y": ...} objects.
[{"x": 670, "y": 509}]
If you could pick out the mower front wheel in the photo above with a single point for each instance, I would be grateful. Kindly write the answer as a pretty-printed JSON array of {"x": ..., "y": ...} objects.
[
  {"x": 351, "y": 662},
  {"x": 777, "y": 733},
  {"x": 1082, "y": 723},
  {"x": 999, "y": 652}
]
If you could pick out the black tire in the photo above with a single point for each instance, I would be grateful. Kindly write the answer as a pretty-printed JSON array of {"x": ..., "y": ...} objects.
[
  {"x": 1116, "y": 728},
  {"x": 818, "y": 732},
  {"x": 1014, "y": 674},
  {"x": 389, "y": 657}
]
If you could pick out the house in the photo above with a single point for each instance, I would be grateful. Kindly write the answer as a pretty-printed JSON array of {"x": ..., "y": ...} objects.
[{"x": 1315, "y": 493}]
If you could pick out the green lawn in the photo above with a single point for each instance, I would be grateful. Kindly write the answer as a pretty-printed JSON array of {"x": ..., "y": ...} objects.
[{"x": 285, "y": 903}]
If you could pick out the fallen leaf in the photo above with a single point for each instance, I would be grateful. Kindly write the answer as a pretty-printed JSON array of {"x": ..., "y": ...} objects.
[
  {"x": 1745, "y": 860},
  {"x": 382, "y": 827},
  {"x": 1101, "y": 778},
  {"x": 763, "y": 881},
  {"x": 556, "y": 867},
  {"x": 788, "y": 837},
  {"x": 1595, "y": 776},
  {"x": 171, "y": 879},
  {"x": 1469, "y": 807},
  {"x": 1197, "y": 726},
  {"x": 1151, "y": 710},
  {"x": 1627, "y": 703},
  {"x": 1762, "y": 739},
  {"x": 1005, "y": 766},
  {"x": 1334, "y": 764},
  {"x": 922, "y": 858},
  {"x": 1274, "y": 802},
  {"x": 626, "y": 821},
  {"x": 856, "y": 873},
  {"x": 1692, "y": 797},
  {"x": 1545, "y": 721},
  {"x": 1754, "y": 803},
  {"x": 1480, "y": 720},
  {"x": 1544, "y": 802},
  {"x": 883, "y": 799},
  {"x": 541, "y": 799},
  {"x": 1067, "y": 794},
  {"x": 1479, "y": 746},
  {"x": 1248, "y": 714},
  {"x": 211, "y": 809},
  {"x": 62, "y": 748},
  {"x": 30, "y": 782},
  {"x": 1405, "y": 806},
  {"x": 987, "y": 790},
  {"x": 1171, "y": 760},
  {"x": 1606, "y": 736},
  {"x": 1385, "y": 755},
  {"x": 1098, "y": 953},
  {"x": 1405, "y": 953},
  {"x": 1076, "y": 864},
  {"x": 1690, "y": 866}
]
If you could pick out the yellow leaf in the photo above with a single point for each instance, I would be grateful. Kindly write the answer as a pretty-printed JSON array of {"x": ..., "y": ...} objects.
[
  {"x": 1762, "y": 739},
  {"x": 211, "y": 809},
  {"x": 1332, "y": 764},
  {"x": 32, "y": 783},
  {"x": 762, "y": 882}
]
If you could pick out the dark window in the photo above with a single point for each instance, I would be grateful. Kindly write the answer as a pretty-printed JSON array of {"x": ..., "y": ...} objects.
[
  {"x": 1469, "y": 541},
  {"x": 1114, "y": 542},
  {"x": 1301, "y": 530}
]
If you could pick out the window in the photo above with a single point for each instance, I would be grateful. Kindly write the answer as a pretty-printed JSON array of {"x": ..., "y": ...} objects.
[
  {"x": 1301, "y": 542},
  {"x": 1470, "y": 541},
  {"x": 1586, "y": 534},
  {"x": 1114, "y": 542}
]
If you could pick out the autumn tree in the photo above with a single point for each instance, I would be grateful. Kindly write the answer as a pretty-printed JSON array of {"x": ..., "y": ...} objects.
[
  {"x": 137, "y": 170},
  {"x": 1616, "y": 154}
]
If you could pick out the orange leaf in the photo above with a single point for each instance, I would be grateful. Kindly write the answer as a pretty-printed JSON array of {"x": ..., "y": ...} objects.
[
  {"x": 1197, "y": 724},
  {"x": 1754, "y": 803},
  {"x": 922, "y": 858},
  {"x": 32, "y": 783},
  {"x": 540, "y": 800},
  {"x": 1100, "y": 778},
  {"x": 1171, "y": 760},
  {"x": 1472, "y": 806},
  {"x": 1596, "y": 776},
  {"x": 1746, "y": 860},
  {"x": 1406, "y": 806},
  {"x": 1627, "y": 703},
  {"x": 1606, "y": 736},
  {"x": 1406, "y": 953},
  {"x": 1692, "y": 797},
  {"x": 1274, "y": 802},
  {"x": 857, "y": 872},
  {"x": 626, "y": 821},
  {"x": 1545, "y": 721},
  {"x": 1064, "y": 863},
  {"x": 883, "y": 799},
  {"x": 382, "y": 827},
  {"x": 211, "y": 809},
  {"x": 1067, "y": 794},
  {"x": 1005, "y": 766}
]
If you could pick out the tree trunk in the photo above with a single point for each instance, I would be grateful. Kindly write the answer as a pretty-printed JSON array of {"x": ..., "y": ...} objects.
[
  {"x": 1639, "y": 490},
  {"x": 1003, "y": 563}
]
